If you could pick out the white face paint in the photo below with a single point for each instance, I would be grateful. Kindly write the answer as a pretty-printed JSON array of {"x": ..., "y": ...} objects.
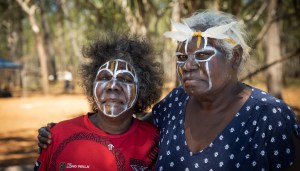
[
  {"x": 199, "y": 56},
  {"x": 115, "y": 87}
]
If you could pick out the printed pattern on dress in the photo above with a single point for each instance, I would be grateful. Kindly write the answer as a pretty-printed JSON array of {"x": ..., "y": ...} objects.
[{"x": 258, "y": 138}]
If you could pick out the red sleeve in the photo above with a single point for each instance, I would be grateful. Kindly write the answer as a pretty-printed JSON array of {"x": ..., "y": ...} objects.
[{"x": 43, "y": 160}]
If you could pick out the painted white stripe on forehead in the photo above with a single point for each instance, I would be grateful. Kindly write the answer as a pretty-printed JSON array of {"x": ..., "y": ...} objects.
[
  {"x": 126, "y": 67},
  {"x": 104, "y": 69},
  {"x": 115, "y": 72},
  {"x": 187, "y": 42},
  {"x": 205, "y": 42},
  {"x": 206, "y": 48},
  {"x": 185, "y": 46}
]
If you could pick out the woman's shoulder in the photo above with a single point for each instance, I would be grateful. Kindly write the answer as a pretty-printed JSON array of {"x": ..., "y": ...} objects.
[
  {"x": 175, "y": 95},
  {"x": 146, "y": 127},
  {"x": 267, "y": 100},
  {"x": 145, "y": 124},
  {"x": 273, "y": 110},
  {"x": 69, "y": 123}
]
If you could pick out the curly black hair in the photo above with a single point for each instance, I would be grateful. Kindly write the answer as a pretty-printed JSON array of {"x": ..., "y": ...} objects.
[{"x": 132, "y": 48}]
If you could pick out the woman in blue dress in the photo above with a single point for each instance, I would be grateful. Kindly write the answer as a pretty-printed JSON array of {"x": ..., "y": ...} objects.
[{"x": 213, "y": 121}]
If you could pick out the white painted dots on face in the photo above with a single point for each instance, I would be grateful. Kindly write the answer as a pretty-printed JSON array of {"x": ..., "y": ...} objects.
[{"x": 115, "y": 87}]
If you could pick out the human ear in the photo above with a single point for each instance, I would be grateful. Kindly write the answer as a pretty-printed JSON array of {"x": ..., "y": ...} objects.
[{"x": 237, "y": 53}]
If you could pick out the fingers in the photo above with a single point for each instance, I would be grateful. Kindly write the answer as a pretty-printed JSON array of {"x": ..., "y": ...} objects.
[
  {"x": 39, "y": 150},
  {"x": 44, "y": 132},
  {"x": 44, "y": 140},
  {"x": 50, "y": 125},
  {"x": 44, "y": 136},
  {"x": 42, "y": 146}
]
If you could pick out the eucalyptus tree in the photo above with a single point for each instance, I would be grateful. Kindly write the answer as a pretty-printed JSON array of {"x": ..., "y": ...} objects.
[{"x": 30, "y": 11}]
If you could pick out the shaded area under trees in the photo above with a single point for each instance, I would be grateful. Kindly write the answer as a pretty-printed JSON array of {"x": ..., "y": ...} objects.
[{"x": 46, "y": 36}]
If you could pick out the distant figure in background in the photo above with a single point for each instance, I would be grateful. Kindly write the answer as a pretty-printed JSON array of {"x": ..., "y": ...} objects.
[
  {"x": 5, "y": 92},
  {"x": 68, "y": 85}
]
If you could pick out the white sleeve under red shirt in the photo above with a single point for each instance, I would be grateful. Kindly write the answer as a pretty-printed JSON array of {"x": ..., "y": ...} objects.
[{"x": 79, "y": 145}]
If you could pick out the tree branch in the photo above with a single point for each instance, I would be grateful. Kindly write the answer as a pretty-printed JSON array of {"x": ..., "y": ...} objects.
[
  {"x": 252, "y": 19},
  {"x": 263, "y": 68},
  {"x": 26, "y": 8}
]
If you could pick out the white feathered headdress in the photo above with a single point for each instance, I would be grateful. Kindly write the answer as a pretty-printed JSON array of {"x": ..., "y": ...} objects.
[{"x": 184, "y": 32}]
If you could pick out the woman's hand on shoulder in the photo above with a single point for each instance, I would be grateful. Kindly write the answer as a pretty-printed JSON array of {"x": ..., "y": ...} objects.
[{"x": 45, "y": 136}]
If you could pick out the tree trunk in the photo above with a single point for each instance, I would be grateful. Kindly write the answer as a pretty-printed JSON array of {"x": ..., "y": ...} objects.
[
  {"x": 74, "y": 60},
  {"x": 48, "y": 43},
  {"x": 176, "y": 15},
  {"x": 273, "y": 53},
  {"x": 235, "y": 7},
  {"x": 39, "y": 43},
  {"x": 215, "y": 4},
  {"x": 134, "y": 19},
  {"x": 43, "y": 61}
]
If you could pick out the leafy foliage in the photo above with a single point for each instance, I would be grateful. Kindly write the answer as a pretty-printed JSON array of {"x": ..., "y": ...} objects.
[{"x": 73, "y": 23}]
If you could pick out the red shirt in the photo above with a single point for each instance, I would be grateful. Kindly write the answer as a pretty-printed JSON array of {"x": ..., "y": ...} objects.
[{"x": 79, "y": 145}]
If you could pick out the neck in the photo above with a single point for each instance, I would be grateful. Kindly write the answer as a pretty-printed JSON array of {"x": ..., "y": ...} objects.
[
  {"x": 110, "y": 125},
  {"x": 220, "y": 98}
]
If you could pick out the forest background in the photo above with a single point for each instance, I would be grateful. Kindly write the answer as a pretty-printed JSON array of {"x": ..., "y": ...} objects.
[{"x": 46, "y": 36}]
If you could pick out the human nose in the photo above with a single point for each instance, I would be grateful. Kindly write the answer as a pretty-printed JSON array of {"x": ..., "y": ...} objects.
[
  {"x": 113, "y": 85},
  {"x": 190, "y": 64}
]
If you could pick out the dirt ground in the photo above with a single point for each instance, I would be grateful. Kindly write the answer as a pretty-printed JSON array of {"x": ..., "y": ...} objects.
[{"x": 21, "y": 117}]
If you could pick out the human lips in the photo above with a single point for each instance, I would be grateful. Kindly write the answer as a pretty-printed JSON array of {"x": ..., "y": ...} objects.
[
  {"x": 111, "y": 102},
  {"x": 191, "y": 79},
  {"x": 188, "y": 83},
  {"x": 112, "y": 99}
]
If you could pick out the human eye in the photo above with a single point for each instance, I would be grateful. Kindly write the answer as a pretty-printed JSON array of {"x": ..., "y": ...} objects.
[
  {"x": 182, "y": 57},
  {"x": 104, "y": 76},
  {"x": 125, "y": 77},
  {"x": 203, "y": 55}
]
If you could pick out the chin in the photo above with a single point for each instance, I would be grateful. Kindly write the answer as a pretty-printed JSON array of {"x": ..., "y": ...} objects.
[
  {"x": 196, "y": 90},
  {"x": 116, "y": 113}
]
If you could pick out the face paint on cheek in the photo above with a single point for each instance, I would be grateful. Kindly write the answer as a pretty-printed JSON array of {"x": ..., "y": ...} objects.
[
  {"x": 132, "y": 94},
  {"x": 99, "y": 97},
  {"x": 179, "y": 72},
  {"x": 201, "y": 71},
  {"x": 116, "y": 96},
  {"x": 208, "y": 75},
  {"x": 179, "y": 46}
]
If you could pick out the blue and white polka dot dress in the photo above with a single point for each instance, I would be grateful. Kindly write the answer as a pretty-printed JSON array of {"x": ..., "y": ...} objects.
[{"x": 258, "y": 138}]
